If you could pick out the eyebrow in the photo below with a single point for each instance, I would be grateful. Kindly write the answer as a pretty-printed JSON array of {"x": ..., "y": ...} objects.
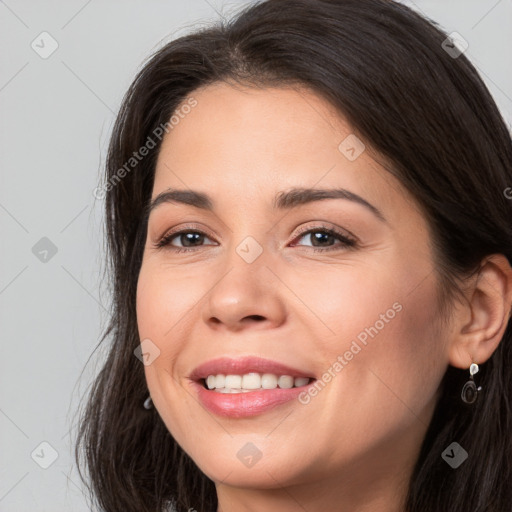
[{"x": 285, "y": 200}]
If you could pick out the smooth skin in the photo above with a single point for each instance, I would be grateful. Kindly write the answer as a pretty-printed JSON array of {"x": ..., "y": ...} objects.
[{"x": 354, "y": 445}]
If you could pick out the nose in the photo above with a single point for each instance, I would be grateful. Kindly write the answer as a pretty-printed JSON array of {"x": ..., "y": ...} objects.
[{"x": 247, "y": 295}]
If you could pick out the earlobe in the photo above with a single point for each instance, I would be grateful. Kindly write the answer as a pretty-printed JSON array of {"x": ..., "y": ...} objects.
[{"x": 482, "y": 323}]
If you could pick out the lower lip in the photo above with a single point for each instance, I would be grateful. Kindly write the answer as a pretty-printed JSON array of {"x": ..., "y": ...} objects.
[{"x": 242, "y": 405}]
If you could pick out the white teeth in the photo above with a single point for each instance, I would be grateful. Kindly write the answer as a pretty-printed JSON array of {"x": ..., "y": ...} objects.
[
  {"x": 285, "y": 382},
  {"x": 300, "y": 381},
  {"x": 268, "y": 381},
  {"x": 252, "y": 381},
  {"x": 233, "y": 381},
  {"x": 228, "y": 390},
  {"x": 210, "y": 381}
]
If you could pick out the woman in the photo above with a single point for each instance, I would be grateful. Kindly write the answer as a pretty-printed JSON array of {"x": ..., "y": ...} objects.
[{"x": 310, "y": 240}]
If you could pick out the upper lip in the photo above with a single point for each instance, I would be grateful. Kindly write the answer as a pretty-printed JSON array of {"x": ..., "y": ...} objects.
[{"x": 243, "y": 365}]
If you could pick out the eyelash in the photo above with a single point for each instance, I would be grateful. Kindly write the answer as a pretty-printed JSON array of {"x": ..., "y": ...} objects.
[{"x": 347, "y": 242}]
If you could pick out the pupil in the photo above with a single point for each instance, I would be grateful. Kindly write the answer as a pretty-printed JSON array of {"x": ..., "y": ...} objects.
[
  {"x": 319, "y": 235},
  {"x": 189, "y": 237}
]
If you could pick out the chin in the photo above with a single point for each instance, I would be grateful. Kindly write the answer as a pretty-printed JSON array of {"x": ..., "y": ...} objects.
[{"x": 262, "y": 473}]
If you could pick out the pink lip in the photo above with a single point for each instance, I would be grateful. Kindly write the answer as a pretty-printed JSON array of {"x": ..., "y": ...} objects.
[
  {"x": 240, "y": 405},
  {"x": 242, "y": 365}
]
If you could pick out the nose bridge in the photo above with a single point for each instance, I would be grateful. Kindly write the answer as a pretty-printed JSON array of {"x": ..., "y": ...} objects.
[
  {"x": 253, "y": 247},
  {"x": 245, "y": 287},
  {"x": 250, "y": 237},
  {"x": 247, "y": 262}
]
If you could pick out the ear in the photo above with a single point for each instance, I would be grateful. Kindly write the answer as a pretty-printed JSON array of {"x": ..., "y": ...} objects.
[{"x": 480, "y": 325}]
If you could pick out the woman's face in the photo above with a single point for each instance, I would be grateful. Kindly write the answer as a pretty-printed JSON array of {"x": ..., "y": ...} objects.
[{"x": 357, "y": 316}]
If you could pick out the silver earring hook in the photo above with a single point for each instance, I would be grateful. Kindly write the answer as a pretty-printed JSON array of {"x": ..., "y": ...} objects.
[{"x": 148, "y": 403}]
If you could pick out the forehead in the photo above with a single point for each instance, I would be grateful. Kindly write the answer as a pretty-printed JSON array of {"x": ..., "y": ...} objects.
[
  {"x": 250, "y": 141},
  {"x": 272, "y": 124}
]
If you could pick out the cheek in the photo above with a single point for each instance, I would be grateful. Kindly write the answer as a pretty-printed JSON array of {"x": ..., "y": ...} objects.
[
  {"x": 392, "y": 364},
  {"x": 401, "y": 361},
  {"x": 165, "y": 300},
  {"x": 385, "y": 328},
  {"x": 165, "y": 315},
  {"x": 164, "y": 304}
]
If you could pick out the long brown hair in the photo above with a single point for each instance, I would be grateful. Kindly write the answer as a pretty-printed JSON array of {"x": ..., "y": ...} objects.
[{"x": 429, "y": 115}]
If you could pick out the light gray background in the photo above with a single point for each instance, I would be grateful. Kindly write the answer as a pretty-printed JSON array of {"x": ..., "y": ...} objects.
[{"x": 56, "y": 117}]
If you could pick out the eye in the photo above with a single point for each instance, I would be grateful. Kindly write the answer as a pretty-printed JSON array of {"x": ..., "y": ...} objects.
[
  {"x": 320, "y": 236},
  {"x": 189, "y": 240},
  {"x": 323, "y": 236}
]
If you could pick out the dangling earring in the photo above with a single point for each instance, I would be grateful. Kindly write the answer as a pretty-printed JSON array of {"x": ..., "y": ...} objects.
[
  {"x": 148, "y": 403},
  {"x": 470, "y": 391}
]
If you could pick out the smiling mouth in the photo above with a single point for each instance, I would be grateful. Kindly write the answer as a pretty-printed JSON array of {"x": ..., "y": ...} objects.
[{"x": 252, "y": 381}]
